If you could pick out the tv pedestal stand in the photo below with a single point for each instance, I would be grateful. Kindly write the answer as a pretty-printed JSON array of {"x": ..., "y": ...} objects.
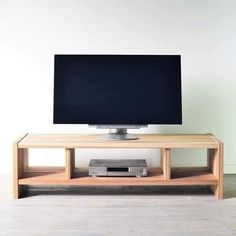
[
  {"x": 119, "y": 134},
  {"x": 210, "y": 175}
]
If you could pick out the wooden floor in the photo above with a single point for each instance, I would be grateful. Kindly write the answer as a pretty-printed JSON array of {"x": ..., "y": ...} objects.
[{"x": 104, "y": 211}]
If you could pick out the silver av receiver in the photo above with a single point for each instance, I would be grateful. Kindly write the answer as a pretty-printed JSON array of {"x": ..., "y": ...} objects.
[{"x": 118, "y": 167}]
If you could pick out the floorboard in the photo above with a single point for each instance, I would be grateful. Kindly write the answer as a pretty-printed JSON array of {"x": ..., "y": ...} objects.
[{"x": 103, "y": 211}]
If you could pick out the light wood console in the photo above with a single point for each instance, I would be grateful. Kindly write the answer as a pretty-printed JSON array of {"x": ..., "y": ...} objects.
[{"x": 211, "y": 174}]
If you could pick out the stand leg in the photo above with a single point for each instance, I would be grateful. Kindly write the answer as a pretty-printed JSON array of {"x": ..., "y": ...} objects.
[
  {"x": 70, "y": 163},
  {"x": 215, "y": 163},
  {"x": 20, "y": 163}
]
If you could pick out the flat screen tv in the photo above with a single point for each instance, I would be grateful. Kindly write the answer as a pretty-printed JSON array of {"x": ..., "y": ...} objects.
[{"x": 117, "y": 91}]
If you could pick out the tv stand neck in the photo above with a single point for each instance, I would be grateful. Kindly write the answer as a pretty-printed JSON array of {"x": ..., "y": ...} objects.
[{"x": 118, "y": 134}]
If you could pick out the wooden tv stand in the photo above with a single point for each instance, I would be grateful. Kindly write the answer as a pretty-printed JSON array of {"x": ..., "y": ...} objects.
[{"x": 211, "y": 174}]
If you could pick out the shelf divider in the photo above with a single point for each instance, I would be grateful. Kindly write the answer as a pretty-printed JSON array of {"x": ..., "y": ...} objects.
[
  {"x": 70, "y": 163},
  {"x": 165, "y": 162}
]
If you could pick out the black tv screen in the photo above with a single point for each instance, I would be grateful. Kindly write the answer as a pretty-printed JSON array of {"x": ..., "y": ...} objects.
[{"x": 117, "y": 89}]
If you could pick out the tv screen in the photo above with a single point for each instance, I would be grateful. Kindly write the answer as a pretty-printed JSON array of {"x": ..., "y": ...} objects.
[{"x": 117, "y": 89}]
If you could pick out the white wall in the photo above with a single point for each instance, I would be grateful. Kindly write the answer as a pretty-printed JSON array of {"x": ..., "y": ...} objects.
[{"x": 202, "y": 31}]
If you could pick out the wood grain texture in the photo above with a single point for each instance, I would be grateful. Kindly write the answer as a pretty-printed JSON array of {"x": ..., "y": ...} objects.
[
  {"x": 166, "y": 163},
  {"x": 94, "y": 141},
  {"x": 15, "y": 171},
  {"x": 18, "y": 165},
  {"x": 211, "y": 175},
  {"x": 215, "y": 164},
  {"x": 220, "y": 193},
  {"x": 70, "y": 163},
  {"x": 182, "y": 176}
]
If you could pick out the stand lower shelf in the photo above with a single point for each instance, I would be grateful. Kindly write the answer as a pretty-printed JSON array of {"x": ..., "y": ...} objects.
[
  {"x": 182, "y": 176},
  {"x": 211, "y": 175}
]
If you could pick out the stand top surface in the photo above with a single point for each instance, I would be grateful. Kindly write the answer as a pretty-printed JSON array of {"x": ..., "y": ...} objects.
[{"x": 94, "y": 141}]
